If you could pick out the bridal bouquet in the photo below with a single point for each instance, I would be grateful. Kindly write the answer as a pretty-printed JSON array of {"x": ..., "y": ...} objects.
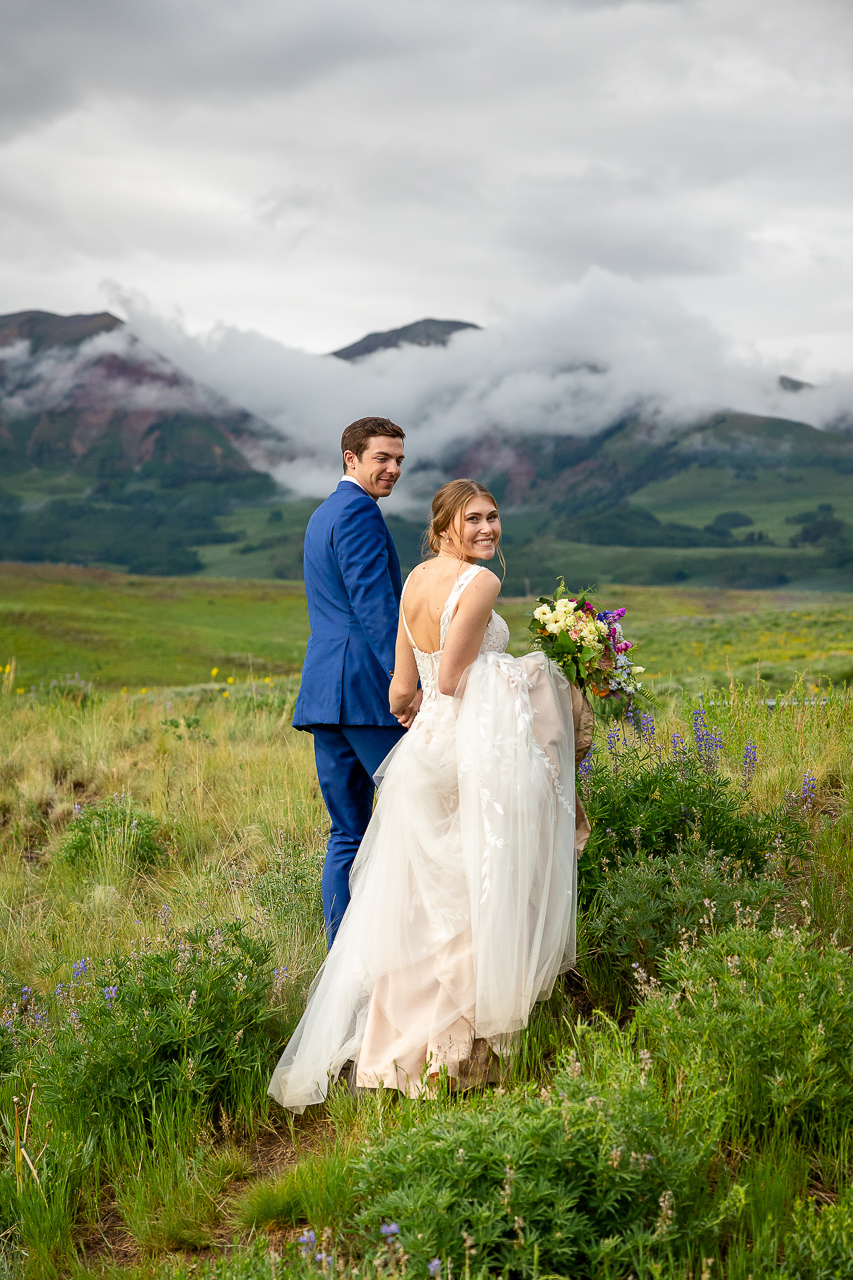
[{"x": 587, "y": 643}]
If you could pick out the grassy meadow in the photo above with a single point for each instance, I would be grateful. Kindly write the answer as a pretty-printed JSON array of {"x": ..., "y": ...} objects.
[
  {"x": 130, "y": 632},
  {"x": 681, "y": 1105}
]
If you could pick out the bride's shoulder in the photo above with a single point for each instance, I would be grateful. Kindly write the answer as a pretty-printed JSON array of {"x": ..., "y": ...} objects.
[{"x": 485, "y": 583}]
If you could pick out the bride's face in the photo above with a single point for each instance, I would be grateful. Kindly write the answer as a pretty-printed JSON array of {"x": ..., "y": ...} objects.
[{"x": 478, "y": 531}]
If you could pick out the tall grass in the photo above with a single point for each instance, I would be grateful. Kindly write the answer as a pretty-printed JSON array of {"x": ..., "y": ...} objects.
[{"x": 226, "y": 790}]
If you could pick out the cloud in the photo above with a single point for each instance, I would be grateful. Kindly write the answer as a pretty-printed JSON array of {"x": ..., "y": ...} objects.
[
  {"x": 580, "y": 360},
  {"x": 321, "y": 168}
]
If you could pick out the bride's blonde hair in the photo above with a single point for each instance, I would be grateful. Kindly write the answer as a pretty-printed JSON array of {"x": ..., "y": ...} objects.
[{"x": 448, "y": 506}]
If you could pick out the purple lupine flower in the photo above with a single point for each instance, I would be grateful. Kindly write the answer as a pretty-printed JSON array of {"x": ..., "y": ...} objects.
[
  {"x": 308, "y": 1239},
  {"x": 747, "y": 769},
  {"x": 110, "y": 994},
  {"x": 390, "y": 1229},
  {"x": 81, "y": 968},
  {"x": 434, "y": 1267},
  {"x": 809, "y": 789},
  {"x": 647, "y": 728}
]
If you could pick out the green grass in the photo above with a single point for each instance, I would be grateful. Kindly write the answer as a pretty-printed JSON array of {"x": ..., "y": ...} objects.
[
  {"x": 119, "y": 630},
  {"x": 241, "y": 828},
  {"x": 140, "y": 632},
  {"x": 697, "y": 495},
  {"x": 232, "y": 791}
]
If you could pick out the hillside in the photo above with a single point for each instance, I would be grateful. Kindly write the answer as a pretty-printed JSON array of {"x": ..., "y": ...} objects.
[
  {"x": 110, "y": 454},
  {"x": 84, "y": 395}
]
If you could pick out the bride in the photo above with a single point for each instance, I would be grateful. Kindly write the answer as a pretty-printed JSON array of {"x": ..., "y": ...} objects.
[{"x": 464, "y": 888}]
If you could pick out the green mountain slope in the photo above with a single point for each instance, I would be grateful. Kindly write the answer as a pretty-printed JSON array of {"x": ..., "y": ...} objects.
[{"x": 109, "y": 454}]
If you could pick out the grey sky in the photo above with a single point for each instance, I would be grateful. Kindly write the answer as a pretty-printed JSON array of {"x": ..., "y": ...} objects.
[{"x": 313, "y": 169}]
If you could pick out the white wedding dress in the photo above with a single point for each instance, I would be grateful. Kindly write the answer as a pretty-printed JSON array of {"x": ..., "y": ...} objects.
[{"x": 464, "y": 888}]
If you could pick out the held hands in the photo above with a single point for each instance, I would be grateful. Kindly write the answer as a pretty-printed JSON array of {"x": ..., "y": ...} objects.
[{"x": 405, "y": 718}]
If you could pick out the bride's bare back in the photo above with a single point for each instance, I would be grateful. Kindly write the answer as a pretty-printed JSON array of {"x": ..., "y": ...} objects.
[
  {"x": 423, "y": 602},
  {"x": 425, "y": 596}
]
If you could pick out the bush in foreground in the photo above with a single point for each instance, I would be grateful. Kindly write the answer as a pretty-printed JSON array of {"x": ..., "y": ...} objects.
[
  {"x": 190, "y": 1019},
  {"x": 765, "y": 1017}
]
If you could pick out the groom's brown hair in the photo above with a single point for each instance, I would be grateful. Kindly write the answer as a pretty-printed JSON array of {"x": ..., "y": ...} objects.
[{"x": 355, "y": 438}]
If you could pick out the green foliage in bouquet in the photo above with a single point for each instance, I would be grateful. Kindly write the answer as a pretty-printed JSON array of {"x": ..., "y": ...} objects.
[
  {"x": 115, "y": 832},
  {"x": 191, "y": 1019}
]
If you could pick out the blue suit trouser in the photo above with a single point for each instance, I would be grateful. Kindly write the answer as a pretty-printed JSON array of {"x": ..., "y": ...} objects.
[{"x": 347, "y": 757}]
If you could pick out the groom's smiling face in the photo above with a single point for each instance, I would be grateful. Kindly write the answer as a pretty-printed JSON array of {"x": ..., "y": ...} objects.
[{"x": 378, "y": 468}]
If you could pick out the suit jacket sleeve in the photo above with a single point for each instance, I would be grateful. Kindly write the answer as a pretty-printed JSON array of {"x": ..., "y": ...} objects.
[{"x": 361, "y": 548}]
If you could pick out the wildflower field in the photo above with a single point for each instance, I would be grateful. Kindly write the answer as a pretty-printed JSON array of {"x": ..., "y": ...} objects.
[{"x": 680, "y": 1107}]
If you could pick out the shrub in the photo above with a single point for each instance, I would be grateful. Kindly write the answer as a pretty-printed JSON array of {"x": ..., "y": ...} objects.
[
  {"x": 566, "y": 1181},
  {"x": 190, "y": 1020},
  {"x": 820, "y": 1244},
  {"x": 113, "y": 831},
  {"x": 652, "y": 903},
  {"x": 663, "y": 801},
  {"x": 767, "y": 1016}
]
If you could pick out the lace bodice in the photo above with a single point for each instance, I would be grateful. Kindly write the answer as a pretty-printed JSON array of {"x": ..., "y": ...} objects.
[{"x": 495, "y": 637}]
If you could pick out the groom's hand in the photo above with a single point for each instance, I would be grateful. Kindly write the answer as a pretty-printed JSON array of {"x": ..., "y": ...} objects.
[{"x": 406, "y": 718}]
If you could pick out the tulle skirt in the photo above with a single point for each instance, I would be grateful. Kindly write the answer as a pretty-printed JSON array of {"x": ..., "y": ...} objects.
[{"x": 464, "y": 894}]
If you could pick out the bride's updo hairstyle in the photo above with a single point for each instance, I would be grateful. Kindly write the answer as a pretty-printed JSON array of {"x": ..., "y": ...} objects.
[{"x": 448, "y": 507}]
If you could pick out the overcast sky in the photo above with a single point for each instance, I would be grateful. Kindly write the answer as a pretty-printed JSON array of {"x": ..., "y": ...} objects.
[{"x": 314, "y": 169}]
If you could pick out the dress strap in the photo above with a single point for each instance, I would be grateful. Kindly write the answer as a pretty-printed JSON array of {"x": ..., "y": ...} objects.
[
  {"x": 403, "y": 616},
  {"x": 453, "y": 599}
]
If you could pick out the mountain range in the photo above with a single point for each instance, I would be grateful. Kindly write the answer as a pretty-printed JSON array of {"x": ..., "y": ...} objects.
[{"x": 110, "y": 453}]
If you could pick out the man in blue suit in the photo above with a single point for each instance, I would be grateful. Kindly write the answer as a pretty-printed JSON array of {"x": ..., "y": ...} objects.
[{"x": 353, "y": 585}]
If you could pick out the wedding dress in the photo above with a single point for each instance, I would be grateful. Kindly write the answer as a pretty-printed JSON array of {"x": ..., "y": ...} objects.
[{"x": 464, "y": 896}]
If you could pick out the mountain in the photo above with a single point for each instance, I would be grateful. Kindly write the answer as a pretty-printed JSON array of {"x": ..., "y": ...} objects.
[
  {"x": 423, "y": 333},
  {"x": 82, "y": 394},
  {"x": 572, "y": 474},
  {"x": 110, "y": 454}
]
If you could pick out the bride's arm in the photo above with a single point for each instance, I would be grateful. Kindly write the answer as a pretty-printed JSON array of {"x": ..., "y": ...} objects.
[
  {"x": 404, "y": 682},
  {"x": 465, "y": 633}
]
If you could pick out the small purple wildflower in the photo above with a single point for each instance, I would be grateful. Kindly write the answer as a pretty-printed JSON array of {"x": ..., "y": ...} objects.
[
  {"x": 807, "y": 794},
  {"x": 26, "y": 992},
  {"x": 110, "y": 994},
  {"x": 390, "y": 1229},
  {"x": 747, "y": 770},
  {"x": 434, "y": 1267},
  {"x": 308, "y": 1239},
  {"x": 647, "y": 728},
  {"x": 81, "y": 968}
]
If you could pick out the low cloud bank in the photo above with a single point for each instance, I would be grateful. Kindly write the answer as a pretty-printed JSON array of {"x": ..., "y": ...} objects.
[{"x": 590, "y": 354}]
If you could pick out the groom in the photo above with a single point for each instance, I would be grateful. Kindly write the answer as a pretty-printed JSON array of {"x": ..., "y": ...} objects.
[{"x": 353, "y": 585}]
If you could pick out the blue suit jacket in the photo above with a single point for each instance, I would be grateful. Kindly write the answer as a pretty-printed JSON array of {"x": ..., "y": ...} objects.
[{"x": 353, "y": 585}]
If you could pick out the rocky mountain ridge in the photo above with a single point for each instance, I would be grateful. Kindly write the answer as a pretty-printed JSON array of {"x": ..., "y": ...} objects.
[
  {"x": 423, "y": 333},
  {"x": 84, "y": 393}
]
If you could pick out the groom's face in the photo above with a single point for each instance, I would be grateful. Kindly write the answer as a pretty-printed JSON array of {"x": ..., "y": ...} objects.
[{"x": 378, "y": 468}]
